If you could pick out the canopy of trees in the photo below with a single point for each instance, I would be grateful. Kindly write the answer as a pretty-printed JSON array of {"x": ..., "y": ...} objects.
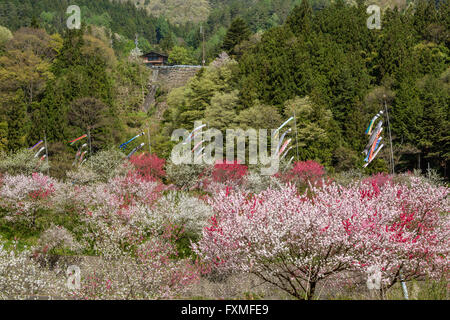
[{"x": 318, "y": 60}]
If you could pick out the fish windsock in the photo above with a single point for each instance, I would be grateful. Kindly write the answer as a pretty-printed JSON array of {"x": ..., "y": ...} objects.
[
  {"x": 124, "y": 145},
  {"x": 192, "y": 134},
  {"x": 290, "y": 160},
  {"x": 285, "y": 153},
  {"x": 76, "y": 157},
  {"x": 275, "y": 133},
  {"x": 39, "y": 152},
  {"x": 135, "y": 149},
  {"x": 369, "y": 128},
  {"x": 374, "y": 136},
  {"x": 82, "y": 155},
  {"x": 282, "y": 138},
  {"x": 198, "y": 145},
  {"x": 77, "y": 139},
  {"x": 376, "y": 146},
  {"x": 372, "y": 150},
  {"x": 199, "y": 151},
  {"x": 284, "y": 147},
  {"x": 36, "y": 145},
  {"x": 78, "y": 153},
  {"x": 381, "y": 147}
]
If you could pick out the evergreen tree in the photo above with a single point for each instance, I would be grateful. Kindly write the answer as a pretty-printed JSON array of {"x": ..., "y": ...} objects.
[
  {"x": 71, "y": 53},
  {"x": 237, "y": 33},
  {"x": 3, "y": 136},
  {"x": 299, "y": 21},
  {"x": 435, "y": 122},
  {"x": 17, "y": 124},
  {"x": 316, "y": 133}
]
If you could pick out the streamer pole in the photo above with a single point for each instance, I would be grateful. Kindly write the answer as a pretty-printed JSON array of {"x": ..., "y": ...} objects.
[
  {"x": 149, "y": 145},
  {"x": 89, "y": 139},
  {"x": 296, "y": 141},
  {"x": 46, "y": 154},
  {"x": 390, "y": 137}
]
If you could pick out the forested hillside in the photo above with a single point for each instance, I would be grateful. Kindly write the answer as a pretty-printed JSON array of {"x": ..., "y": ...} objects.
[
  {"x": 336, "y": 73},
  {"x": 160, "y": 25},
  {"x": 322, "y": 62}
]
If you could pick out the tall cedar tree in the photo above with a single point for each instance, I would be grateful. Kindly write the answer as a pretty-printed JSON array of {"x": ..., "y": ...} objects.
[
  {"x": 237, "y": 33},
  {"x": 17, "y": 129},
  {"x": 299, "y": 21}
]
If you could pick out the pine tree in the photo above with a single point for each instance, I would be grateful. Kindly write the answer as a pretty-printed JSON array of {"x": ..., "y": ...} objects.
[
  {"x": 434, "y": 140},
  {"x": 71, "y": 53},
  {"x": 3, "y": 136},
  {"x": 299, "y": 21},
  {"x": 17, "y": 124},
  {"x": 237, "y": 33}
]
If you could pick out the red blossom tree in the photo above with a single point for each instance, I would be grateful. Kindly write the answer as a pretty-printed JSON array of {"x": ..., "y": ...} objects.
[
  {"x": 151, "y": 167},
  {"x": 229, "y": 171},
  {"x": 303, "y": 173}
]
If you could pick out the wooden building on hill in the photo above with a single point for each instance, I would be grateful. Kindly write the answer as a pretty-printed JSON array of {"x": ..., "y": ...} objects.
[{"x": 155, "y": 59}]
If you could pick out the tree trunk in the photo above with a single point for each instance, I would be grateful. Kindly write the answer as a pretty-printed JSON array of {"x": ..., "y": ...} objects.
[
  {"x": 418, "y": 161},
  {"x": 311, "y": 289}
]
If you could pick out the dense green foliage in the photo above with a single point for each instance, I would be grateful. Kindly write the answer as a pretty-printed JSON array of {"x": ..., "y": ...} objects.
[
  {"x": 62, "y": 87},
  {"x": 237, "y": 33},
  {"x": 160, "y": 24},
  {"x": 319, "y": 60},
  {"x": 336, "y": 73}
]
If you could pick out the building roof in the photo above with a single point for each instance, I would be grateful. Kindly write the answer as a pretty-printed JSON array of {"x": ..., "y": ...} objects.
[{"x": 155, "y": 53}]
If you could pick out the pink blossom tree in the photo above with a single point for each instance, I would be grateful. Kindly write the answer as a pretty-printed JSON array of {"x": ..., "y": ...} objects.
[
  {"x": 295, "y": 242},
  {"x": 23, "y": 195},
  {"x": 405, "y": 230},
  {"x": 138, "y": 253},
  {"x": 286, "y": 239},
  {"x": 229, "y": 171}
]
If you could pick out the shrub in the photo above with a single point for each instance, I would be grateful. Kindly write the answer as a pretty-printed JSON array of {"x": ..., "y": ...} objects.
[
  {"x": 187, "y": 176},
  {"x": 21, "y": 276},
  {"x": 256, "y": 182},
  {"x": 346, "y": 178},
  {"x": 21, "y": 162},
  {"x": 184, "y": 210},
  {"x": 82, "y": 176},
  {"x": 378, "y": 180},
  {"x": 138, "y": 254},
  {"x": 106, "y": 164},
  {"x": 22, "y": 196},
  {"x": 57, "y": 237}
]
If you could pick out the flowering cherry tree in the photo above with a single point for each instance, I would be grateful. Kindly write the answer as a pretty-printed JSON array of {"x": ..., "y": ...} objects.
[
  {"x": 295, "y": 242},
  {"x": 229, "y": 171},
  {"x": 21, "y": 276},
  {"x": 304, "y": 173},
  {"x": 405, "y": 230},
  {"x": 137, "y": 251},
  {"x": 286, "y": 239},
  {"x": 23, "y": 195}
]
